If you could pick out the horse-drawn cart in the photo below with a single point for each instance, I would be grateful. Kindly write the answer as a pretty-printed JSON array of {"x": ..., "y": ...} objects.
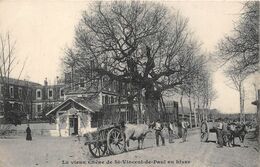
[
  {"x": 108, "y": 140},
  {"x": 206, "y": 128}
]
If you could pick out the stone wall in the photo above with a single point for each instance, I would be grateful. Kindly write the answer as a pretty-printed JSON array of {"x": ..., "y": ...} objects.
[{"x": 38, "y": 129}]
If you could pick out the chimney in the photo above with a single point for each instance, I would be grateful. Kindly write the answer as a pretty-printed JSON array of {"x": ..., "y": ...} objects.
[
  {"x": 57, "y": 80},
  {"x": 45, "y": 82}
]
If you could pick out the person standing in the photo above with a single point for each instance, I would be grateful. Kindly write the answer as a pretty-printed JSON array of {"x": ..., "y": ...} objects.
[
  {"x": 158, "y": 132},
  {"x": 226, "y": 133},
  {"x": 220, "y": 133},
  {"x": 28, "y": 133},
  {"x": 184, "y": 125},
  {"x": 170, "y": 130}
]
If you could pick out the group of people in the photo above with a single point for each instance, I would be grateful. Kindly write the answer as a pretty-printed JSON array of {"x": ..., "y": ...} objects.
[
  {"x": 224, "y": 132},
  {"x": 158, "y": 127}
]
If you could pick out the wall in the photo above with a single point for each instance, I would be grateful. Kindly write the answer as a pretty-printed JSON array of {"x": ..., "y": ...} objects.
[{"x": 38, "y": 129}]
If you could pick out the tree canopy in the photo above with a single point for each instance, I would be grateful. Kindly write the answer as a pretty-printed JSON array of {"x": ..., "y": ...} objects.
[
  {"x": 241, "y": 48},
  {"x": 135, "y": 42}
]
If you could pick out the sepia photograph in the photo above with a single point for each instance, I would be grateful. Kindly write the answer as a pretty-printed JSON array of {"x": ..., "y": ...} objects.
[{"x": 86, "y": 83}]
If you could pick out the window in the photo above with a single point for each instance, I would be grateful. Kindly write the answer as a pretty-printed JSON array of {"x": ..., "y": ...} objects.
[
  {"x": 11, "y": 91},
  {"x": 109, "y": 86},
  {"x": 62, "y": 93},
  {"x": 28, "y": 93},
  {"x": 20, "y": 92},
  {"x": 112, "y": 99},
  {"x": 38, "y": 94},
  {"x": 81, "y": 82},
  {"x": 103, "y": 82},
  {"x": 123, "y": 89},
  {"x": 106, "y": 99},
  {"x": 50, "y": 94},
  {"x": 21, "y": 107},
  {"x": 109, "y": 100},
  {"x": 103, "y": 99},
  {"x": 39, "y": 108},
  {"x": 114, "y": 86}
]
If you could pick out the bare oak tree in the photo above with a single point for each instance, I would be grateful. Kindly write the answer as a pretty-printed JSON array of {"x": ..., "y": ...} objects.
[{"x": 135, "y": 42}]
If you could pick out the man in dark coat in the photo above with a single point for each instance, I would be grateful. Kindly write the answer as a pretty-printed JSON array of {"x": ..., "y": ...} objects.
[{"x": 28, "y": 133}]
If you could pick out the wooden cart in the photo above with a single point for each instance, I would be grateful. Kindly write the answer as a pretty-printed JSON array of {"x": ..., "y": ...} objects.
[
  {"x": 206, "y": 128},
  {"x": 106, "y": 140}
]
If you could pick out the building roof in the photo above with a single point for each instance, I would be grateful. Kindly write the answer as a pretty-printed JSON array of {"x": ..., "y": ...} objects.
[
  {"x": 22, "y": 82},
  {"x": 79, "y": 104},
  {"x": 93, "y": 105}
]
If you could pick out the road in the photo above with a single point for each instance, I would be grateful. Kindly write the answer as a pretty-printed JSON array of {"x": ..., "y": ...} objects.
[{"x": 67, "y": 152}]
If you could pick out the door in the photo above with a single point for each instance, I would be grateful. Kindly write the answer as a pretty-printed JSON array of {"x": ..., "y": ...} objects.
[{"x": 75, "y": 126}]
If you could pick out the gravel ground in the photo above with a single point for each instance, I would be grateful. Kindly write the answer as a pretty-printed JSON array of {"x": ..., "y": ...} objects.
[{"x": 67, "y": 152}]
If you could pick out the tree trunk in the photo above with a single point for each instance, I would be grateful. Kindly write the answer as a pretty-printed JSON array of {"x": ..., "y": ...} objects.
[
  {"x": 189, "y": 100},
  {"x": 199, "y": 111},
  {"x": 203, "y": 111},
  {"x": 195, "y": 114},
  {"x": 138, "y": 114},
  {"x": 241, "y": 101},
  {"x": 181, "y": 102},
  {"x": 206, "y": 113}
]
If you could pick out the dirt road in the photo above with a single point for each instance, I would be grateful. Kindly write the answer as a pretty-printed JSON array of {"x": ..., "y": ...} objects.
[{"x": 67, "y": 152}]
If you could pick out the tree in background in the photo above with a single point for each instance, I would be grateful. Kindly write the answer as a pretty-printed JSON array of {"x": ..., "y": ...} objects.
[
  {"x": 239, "y": 52},
  {"x": 203, "y": 92},
  {"x": 242, "y": 47},
  {"x": 11, "y": 114},
  {"x": 135, "y": 42},
  {"x": 237, "y": 79}
]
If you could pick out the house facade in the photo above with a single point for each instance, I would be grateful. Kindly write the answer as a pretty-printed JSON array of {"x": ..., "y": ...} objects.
[
  {"x": 45, "y": 97},
  {"x": 16, "y": 95},
  {"x": 83, "y": 107},
  {"x": 30, "y": 98}
]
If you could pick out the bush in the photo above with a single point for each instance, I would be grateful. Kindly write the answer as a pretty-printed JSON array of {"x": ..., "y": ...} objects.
[{"x": 14, "y": 117}]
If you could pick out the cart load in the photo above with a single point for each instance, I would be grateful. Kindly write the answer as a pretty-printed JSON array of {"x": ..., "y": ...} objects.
[{"x": 106, "y": 140}]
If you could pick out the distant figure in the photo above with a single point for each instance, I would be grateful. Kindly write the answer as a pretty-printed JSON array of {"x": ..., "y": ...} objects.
[
  {"x": 184, "y": 125},
  {"x": 220, "y": 133},
  {"x": 170, "y": 130},
  {"x": 158, "y": 132},
  {"x": 226, "y": 133},
  {"x": 28, "y": 133}
]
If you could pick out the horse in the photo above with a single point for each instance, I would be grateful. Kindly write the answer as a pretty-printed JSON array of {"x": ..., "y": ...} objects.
[
  {"x": 136, "y": 132},
  {"x": 237, "y": 130}
]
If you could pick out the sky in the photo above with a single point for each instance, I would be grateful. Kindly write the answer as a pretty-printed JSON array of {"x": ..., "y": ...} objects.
[{"x": 42, "y": 28}]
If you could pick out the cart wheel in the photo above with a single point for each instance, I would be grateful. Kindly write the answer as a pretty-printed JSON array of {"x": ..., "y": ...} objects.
[
  {"x": 204, "y": 133},
  {"x": 115, "y": 141},
  {"x": 98, "y": 149}
]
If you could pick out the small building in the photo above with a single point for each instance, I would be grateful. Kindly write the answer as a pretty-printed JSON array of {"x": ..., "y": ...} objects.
[{"x": 76, "y": 116}]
